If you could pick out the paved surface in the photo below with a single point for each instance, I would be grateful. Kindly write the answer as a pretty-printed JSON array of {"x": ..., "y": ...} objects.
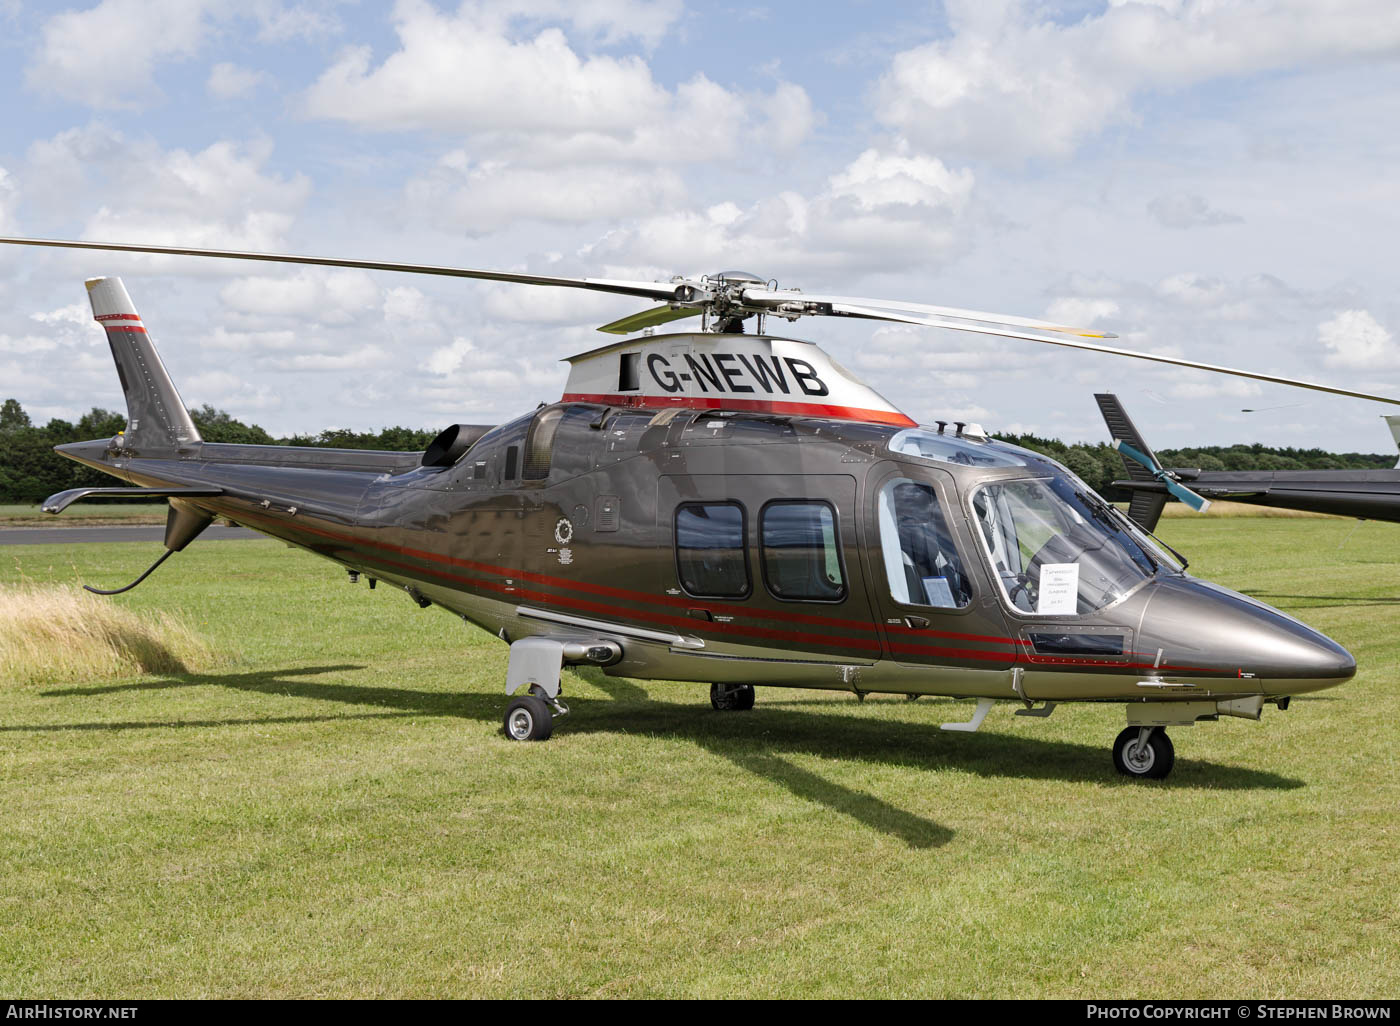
[{"x": 75, "y": 535}]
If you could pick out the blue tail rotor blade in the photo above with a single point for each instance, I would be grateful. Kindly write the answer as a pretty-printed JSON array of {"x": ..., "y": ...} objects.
[
  {"x": 1197, "y": 502},
  {"x": 1138, "y": 457}
]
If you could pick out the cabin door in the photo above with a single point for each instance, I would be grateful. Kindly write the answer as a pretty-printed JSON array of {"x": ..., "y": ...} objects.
[{"x": 934, "y": 605}]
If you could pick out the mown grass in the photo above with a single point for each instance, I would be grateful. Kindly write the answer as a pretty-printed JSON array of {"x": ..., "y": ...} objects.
[{"x": 337, "y": 814}]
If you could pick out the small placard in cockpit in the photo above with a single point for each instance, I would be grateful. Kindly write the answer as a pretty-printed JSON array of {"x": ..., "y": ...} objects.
[
  {"x": 939, "y": 593},
  {"x": 1059, "y": 589}
]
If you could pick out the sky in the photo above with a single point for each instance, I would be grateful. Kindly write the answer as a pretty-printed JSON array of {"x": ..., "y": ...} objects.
[{"x": 1214, "y": 179}]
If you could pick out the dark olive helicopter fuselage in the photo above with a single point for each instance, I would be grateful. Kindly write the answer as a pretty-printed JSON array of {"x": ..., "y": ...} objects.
[
  {"x": 739, "y": 510},
  {"x": 722, "y": 546}
]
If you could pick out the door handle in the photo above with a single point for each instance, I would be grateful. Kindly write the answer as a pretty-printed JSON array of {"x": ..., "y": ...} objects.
[{"x": 915, "y": 623}]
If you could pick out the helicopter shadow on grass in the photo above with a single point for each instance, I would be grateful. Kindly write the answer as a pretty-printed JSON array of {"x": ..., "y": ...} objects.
[
  {"x": 752, "y": 741},
  {"x": 269, "y": 683}
]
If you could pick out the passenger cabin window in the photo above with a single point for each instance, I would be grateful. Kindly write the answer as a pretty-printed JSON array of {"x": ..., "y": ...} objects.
[
  {"x": 539, "y": 446},
  {"x": 801, "y": 555},
  {"x": 710, "y": 554},
  {"x": 921, "y": 562}
]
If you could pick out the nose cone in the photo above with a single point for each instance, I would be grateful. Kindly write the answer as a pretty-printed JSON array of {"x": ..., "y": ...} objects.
[{"x": 1203, "y": 625}]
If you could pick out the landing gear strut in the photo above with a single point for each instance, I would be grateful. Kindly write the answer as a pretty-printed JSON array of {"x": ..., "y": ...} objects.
[
  {"x": 731, "y": 697},
  {"x": 1145, "y": 753}
]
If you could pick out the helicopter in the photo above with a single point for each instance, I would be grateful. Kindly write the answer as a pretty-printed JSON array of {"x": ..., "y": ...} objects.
[
  {"x": 735, "y": 509},
  {"x": 1364, "y": 494}
]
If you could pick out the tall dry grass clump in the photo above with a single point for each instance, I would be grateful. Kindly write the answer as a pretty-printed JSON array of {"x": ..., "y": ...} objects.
[{"x": 55, "y": 632}]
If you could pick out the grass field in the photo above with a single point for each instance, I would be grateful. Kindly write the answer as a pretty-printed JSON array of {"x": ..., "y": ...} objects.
[{"x": 334, "y": 812}]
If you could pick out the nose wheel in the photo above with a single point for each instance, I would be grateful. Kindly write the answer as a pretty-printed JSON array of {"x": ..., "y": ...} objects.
[
  {"x": 1145, "y": 753},
  {"x": 731, "y": 697}
]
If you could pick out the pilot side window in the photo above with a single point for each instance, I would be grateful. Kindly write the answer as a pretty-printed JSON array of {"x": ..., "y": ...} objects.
[
  {"x": 710, "y": 554},
  {"x": 921, "y": 562},
  {"x": 801, "y": 556}
]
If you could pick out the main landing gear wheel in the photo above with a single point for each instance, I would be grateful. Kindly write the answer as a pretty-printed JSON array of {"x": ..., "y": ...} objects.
[
  {"x": 1145, "y": 753},
  {"x": 731, "y": 697},
  {"x": 528, "y": 719}
]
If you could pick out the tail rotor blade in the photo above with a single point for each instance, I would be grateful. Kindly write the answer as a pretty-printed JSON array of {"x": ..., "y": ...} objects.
[{"x": 1179, "y": 491}]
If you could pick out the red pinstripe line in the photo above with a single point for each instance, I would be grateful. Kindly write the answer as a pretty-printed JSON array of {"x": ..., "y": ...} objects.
[
  {"x": 693, "y": 625},
  {"x": 698, "y": 402}
]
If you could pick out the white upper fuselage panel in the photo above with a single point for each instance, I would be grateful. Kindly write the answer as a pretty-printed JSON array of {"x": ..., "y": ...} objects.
[{"x": 726, "y": 372}]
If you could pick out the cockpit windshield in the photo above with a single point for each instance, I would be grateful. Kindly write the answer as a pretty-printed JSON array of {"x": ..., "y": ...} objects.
[{"x": 1057, "y": 548}]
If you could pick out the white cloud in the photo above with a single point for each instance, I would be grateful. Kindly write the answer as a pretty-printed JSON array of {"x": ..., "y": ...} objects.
[
  {"x": 1356, "y": 339},
  {"x": 230, "y": 81},
  {"x": 1081, "y": 311},
  {"x": 448, "y": 359},
  {"x": 464, "y": 73},
  {"x": 317, "y": 294},
  {"x": 1010, "y": 81},
  {"x": 881, "y": 211},
  {"x": 877, "y": 179},
  {"x": 79, "y": 313},
  {"x": 483, "y": 197},
  {"x": 789, "y": 116},
  {"x": 7, "y": 200},
  {"x": 218, "y": 197},
  {"x": 608, "y": 22},
  {"x": 104, "y": 57},
  {"x": 481, "y": 71},
  {"x": 359, "y": 358},
  {"x": 1185, "y": 210},
  {"x": 227, "y": 391}
]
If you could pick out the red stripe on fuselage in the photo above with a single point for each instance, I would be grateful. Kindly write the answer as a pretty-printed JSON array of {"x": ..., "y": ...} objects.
[
  {"x": 690, "y": 624},
  {"x": 703, "y": 402}
]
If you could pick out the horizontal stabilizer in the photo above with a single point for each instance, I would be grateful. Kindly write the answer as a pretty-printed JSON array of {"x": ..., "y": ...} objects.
[{"x": 60, "y": 501}]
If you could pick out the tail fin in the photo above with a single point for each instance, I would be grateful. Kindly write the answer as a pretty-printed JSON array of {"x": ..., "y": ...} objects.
[
  {"x": 156, "y": 417},
  {"x": 1394, "y": 422},
  {"x": 1146, "y": 507}
]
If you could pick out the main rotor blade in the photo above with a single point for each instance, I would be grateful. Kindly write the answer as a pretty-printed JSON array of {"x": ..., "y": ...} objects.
[
  {"x": 647, "y": 319},
  {"x": 774, "y": 297},
  {"x": 643, "y": 289},
  {"x": 865, "y": 313}
]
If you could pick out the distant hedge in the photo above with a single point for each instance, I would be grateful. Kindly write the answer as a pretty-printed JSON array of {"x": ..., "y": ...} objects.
[
  {"x": 30, "y": 470},
  {"x": 1100, "y": 464}
]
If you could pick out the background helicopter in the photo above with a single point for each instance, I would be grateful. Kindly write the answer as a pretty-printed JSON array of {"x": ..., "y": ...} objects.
[
  {"x": 1365, "y": 494},
  {"x": 736, "y": 510}
]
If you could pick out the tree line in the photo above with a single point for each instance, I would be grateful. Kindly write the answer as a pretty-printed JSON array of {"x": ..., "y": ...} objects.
[
  {"x": 1100, "y": 465},
  {"x": 30, "y": 470}
]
